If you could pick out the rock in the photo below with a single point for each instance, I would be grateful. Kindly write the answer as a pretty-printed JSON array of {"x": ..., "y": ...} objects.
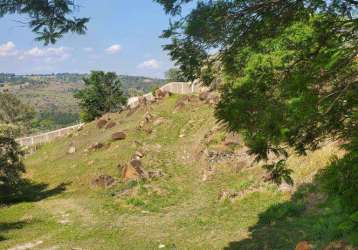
[
  {"x": 96, "y": 146},
  {"x": 203, "y": 95},
  {"x": 101, "y": 123},
  {"x": 139, "y": 154},
  {"x": 156, "y": 173},
  {"x": 158, "y": 93},
  {"x": 119, "y": 136},
  {"x": 110, "y": 125},
  {"x": 71, "y": 150},
  {"x": 148, "y": 117},
  {"x": 226, "y": 194},
  {"x": 103, "y": 181},
  {"x": 134, "y": 171},
  {"x": 303, "y": 245}
]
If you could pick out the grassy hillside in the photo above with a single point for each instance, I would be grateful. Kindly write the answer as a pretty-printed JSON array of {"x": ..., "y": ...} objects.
[{"x": 186, "y": 208}]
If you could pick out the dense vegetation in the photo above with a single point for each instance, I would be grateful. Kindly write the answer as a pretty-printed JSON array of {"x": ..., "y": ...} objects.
[
  {"x": 289, "y": 71},
  {"x": 103, "y": 93}
]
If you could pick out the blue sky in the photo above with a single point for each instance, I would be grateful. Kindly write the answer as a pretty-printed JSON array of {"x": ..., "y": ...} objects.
[{"x": 123, "y": 36}]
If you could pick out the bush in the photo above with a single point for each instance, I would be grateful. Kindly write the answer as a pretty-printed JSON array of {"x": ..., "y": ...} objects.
[{"x": 11, "y": 166}]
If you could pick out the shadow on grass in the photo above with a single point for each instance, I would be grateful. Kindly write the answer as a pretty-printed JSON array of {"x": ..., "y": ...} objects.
[
  {"x": 5, "y": 227},
  {"x": 308, "y": 216},
  {"x": 27, "y": 191}
]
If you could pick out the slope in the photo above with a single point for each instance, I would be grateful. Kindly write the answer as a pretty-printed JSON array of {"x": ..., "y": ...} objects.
[{"x": 209, "y": 195}]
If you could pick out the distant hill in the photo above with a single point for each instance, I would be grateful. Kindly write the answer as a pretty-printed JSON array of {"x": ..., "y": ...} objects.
[{"x": 52, "y": 95}]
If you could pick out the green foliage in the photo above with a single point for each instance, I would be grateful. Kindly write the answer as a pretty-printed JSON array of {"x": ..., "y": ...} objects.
[
  {"x": 15, "y": 114},
  {"x": 103, "y": 93},
  {"x": 11, "y": 166},
  {"x": 340, "y": 178},
  {"x": 279, "y": 172},
  {"x": 49, "y": 20},
  {"x": 282, "y": 211},
  {"x": 289, "y": 68},
  {"x": 174, "y": 75}
]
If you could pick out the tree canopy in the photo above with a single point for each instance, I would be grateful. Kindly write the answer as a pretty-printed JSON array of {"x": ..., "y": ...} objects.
[
  {"x": 289, "y": 68},
  {"x": 103, "y": 93},
  {"x": 48, "y": 19}
]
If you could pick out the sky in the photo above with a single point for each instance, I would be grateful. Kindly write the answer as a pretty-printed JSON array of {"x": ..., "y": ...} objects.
[{"x": 122, "y": 36}]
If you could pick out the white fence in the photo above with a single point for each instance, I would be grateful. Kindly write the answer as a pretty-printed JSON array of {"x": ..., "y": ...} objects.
[
  {"x": 173, "y": 87},
  {"x": 182, "y": 88},
  {"x": 46, "y": 137}
]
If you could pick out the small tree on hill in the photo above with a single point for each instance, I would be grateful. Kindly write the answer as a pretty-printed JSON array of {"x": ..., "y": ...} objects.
[
  {"x": 11, "y": 166},
  {"x": 103, "y": 93},
  {"x": 174, "y": 75}
]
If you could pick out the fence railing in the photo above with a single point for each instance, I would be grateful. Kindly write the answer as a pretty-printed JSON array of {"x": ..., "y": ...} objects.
[
  {"x": 46, "y": 137},
  {"x": 173, "y": 87}
]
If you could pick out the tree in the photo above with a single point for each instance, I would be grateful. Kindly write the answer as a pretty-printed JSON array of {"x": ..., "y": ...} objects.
[
  {"x": 48, "y": 19},
  {"x": 15, "y": 115},
  {"x": 174, "y": 75},
  {"x": 289, "y": 69},
  {"x": 103, "y": 93},
  {"x": 11, "y": 166}
]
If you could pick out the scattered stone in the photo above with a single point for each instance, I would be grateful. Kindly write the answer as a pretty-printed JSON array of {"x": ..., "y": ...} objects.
[
  {"x": 156, "y": 173},
  {"x": 110, "y": 125},
  {"x": 148, "y": 117},
  {"x": 228, "y": 195},
  {"x": 181, "y": 135},
  {"x": 138, "y": 154},
  {"x": 137, "y": 164},
  {"x": 96, "y": 146},
  {"x": 134, "y": 171},
  {"x": 161, "y": 246},
  {"x": 158, "y": 93},
  {"x": 71, "y": 150},
  {"x": 303, "y": 245},
  {"x": 119, "y": 136},
  {"x": 104, "y": 181},
  {"x": 101, "y": 123}
]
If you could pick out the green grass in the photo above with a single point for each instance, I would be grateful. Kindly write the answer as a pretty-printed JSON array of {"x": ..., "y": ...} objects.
[{"x": 178, "y": 210}]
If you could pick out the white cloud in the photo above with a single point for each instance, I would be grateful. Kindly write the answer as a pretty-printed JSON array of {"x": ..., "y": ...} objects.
[
  {"x": 8, "y": 49},
  {"x": 149, "y": 64},
  {"x": 49, "y": 54},
  {"x": 114, "y": 49}
]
